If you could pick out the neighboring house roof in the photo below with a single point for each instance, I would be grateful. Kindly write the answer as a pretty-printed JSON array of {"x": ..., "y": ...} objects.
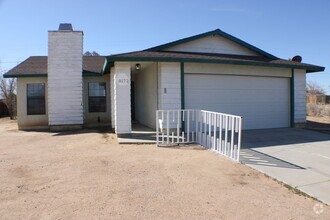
[
  {"x": 211, "y": 33},
  {"x": 36, "y": 66},
  {"x": 166, "y": 56}
]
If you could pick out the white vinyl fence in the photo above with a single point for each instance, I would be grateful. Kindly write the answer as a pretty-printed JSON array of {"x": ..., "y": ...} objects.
[{"x": 213, "y": 130}]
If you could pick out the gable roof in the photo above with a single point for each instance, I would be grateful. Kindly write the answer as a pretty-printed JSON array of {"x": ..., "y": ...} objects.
[
  {"x": 169, "y": 56},
  {"x": 36, "y": 66},
  {"x": 211, "y": 33}
]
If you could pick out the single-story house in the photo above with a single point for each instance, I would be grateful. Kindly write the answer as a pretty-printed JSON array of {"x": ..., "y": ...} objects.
[{"x": 212, "y": 71}]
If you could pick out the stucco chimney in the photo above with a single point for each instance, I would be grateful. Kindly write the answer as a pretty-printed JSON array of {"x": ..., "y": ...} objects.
[{"x": 65, "y": 63}]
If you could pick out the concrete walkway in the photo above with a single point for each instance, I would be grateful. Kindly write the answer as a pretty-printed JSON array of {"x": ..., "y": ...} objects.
[
  {"x": 298, "y": 157},
  {"x": 140, "y": 135}
]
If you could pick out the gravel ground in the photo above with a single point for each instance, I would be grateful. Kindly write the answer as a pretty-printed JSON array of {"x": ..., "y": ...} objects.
[{"x": 87, "y": 175}]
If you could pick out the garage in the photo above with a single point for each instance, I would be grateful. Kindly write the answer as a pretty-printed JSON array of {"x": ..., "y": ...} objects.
[{"x": 263, "y": 102}]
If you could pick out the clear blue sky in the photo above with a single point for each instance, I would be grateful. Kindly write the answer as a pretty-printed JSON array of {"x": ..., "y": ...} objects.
[{"x": 283, "y": 28}]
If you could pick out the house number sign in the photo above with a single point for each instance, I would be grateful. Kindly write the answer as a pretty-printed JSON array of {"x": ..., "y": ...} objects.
[{"x": 122, "y": 79}]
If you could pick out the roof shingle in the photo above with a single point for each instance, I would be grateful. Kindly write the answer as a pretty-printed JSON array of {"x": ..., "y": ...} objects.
[
  {"x": 37, "y": 66},
  {"x": 166, "y": 56}
]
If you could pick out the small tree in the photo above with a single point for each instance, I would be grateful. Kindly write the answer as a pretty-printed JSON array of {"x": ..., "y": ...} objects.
[
  {"x": 94, "y": 53},
  {"x": 313, "y": 88},
  {"x": 8, "y": 93}
]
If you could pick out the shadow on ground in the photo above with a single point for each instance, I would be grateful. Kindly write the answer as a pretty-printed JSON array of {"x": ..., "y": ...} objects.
[
  {"x": 253, "y": 157},
  {"x": 280, "y": 136}
]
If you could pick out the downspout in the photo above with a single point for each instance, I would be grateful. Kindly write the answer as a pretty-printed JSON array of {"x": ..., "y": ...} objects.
[
  {"x": 182, "y": 94},
  {"x": 292, "y": 107},
  {"x": 182, "y": 86}
]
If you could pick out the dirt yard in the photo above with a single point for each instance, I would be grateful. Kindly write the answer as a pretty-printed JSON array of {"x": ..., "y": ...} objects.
[
  {"x": 87, "y": 175},
  {"x": 322, "y": 120}
]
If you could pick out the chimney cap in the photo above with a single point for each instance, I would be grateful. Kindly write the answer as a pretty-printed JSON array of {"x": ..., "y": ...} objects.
[{"x": 65, "y": 27}]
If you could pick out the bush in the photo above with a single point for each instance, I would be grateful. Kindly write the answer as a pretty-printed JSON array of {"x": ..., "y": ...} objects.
[
  {"x": 325, "y": 111},
  {"x": 318, "y": 110}
]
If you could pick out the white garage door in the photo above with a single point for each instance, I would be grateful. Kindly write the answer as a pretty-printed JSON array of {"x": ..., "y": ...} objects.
[{"x": 263, "y": 102}]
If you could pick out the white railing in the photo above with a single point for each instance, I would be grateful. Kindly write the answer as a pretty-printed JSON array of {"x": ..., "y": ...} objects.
[{"x": 216, "y": 131}]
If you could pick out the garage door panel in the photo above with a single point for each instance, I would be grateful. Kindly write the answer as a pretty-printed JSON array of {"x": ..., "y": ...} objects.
[{"x": 263, "y": 102}]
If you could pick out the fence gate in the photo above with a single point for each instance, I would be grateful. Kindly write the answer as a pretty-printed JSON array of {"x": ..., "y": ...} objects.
[{"x": 213, "y": 130}]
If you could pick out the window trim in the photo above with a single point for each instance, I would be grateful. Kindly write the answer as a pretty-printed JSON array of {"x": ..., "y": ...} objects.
[
  {"x": 43, "y": 110},
  {"x": 91, "y": 97}
]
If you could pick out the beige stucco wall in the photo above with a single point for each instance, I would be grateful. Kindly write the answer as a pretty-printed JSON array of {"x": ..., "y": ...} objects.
[
  {"x": 146, "y": 95},
  {"x": 213, "y": 44},
  {"x": 91, "y": 118},
  {"x": 27, "y": 121}
]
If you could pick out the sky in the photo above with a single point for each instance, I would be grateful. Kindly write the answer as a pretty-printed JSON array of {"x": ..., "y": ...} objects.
[{"x": 284, "y": 28}]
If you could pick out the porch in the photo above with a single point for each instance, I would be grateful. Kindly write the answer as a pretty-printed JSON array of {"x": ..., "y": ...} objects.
[
  {"x": 215, "y": 131},
  {"x": 137, "y": 90},
  {"x": 140, "y": 134}
]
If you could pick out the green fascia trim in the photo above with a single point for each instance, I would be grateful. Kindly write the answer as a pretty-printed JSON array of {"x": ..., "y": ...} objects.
[
  {"x": 292, "y": 107},
  {"x": 104, "y": 67},
  {"x": 84, "y": 74},
  {"x": 108, "y": 64},
  {"x": 192, "y": 60},
  {"x": 87, "y": 74},
  {"x": 182, "y": 86},
  {"x": 214, "y": 32},
  {"x": 24, "y": 75}
]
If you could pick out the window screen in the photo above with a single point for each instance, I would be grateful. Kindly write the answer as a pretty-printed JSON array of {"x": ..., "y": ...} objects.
[
  {"x": 36, "y": 99},
  {"x": 97, "y": 97}
]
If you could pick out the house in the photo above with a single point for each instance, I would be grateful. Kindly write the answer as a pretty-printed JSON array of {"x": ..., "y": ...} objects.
[
  {"x": 318, "y": 99},
  {"x": 213, "y": 71}
]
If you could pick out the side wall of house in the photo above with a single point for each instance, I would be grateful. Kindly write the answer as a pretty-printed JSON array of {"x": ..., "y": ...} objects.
[
  {"x": 91, "y": 118},
  {"x": 169, "y": 86},
  {"x": 146, "y": 95},
  {"x": 23, "y": 119},
  {"x": 299, "y": 97}
]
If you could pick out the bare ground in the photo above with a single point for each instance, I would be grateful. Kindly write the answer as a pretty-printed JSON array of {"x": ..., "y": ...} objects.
[
  {"x": 322, "y": 120},
  {"x": 317, "y": 123},
  {"x": 87, "y": 175}
]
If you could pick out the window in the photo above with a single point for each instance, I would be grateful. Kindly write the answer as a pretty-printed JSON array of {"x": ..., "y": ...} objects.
[
  {"x": 36, "y": 99},
  {"x": 96, "y": 97}
]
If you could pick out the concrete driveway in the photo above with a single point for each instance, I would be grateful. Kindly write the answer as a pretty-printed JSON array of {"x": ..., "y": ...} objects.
[{"x": 298, "y": 157}]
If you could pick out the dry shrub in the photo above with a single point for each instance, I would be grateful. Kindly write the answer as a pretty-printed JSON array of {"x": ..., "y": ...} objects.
[
  {"x": 318, "y": 110},
  {"x": 325, "y": 111}
]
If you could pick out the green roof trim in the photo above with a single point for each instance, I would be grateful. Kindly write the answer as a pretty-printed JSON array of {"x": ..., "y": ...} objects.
[
  {"x": 112, "y": 59},
  {"x": 107, "y": 66},
  {"x": 25, "y": 75},
  {"x": 210, "y": 33},
  {"x": 84, "y": 74}
]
